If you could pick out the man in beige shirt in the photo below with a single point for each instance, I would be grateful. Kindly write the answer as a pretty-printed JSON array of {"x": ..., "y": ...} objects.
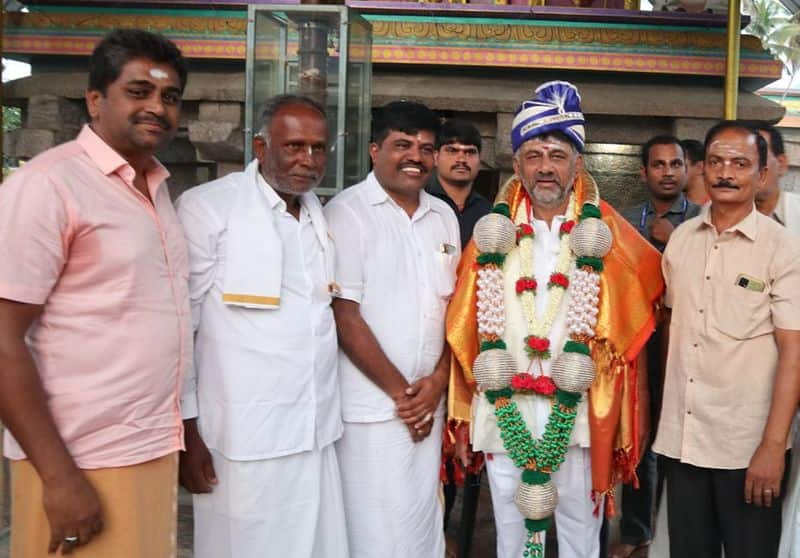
[{"x": 732, "y": 382}]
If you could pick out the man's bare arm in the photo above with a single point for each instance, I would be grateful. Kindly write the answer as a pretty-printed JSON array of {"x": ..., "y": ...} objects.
[
  {"x": 70, "y": 502},
  {"x": 360, "y": 345},
  {"x": 763, "y": 480},
  {"x": 425, "y": 394},
  {"x": 362, "y": 348}
]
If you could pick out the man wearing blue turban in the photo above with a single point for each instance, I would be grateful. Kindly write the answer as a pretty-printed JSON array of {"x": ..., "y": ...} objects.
[{"x": 555, "y": 300}]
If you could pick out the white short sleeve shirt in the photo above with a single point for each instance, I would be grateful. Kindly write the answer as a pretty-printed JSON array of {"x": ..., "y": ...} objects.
[{"x": 401, "y": 271}]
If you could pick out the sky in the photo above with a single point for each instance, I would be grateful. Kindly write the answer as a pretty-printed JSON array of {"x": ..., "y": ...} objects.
[{"x": 13, "y": 69}]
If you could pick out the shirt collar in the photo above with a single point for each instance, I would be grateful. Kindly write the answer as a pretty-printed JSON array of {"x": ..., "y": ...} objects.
[
  {"x": 111, "y": 162},
  {"x": 747, "y": 226},
  {"x": 376, "y": 194},
  {"x": 676, "y": 207},
  {"x": 779, "y": 213},
  {"x": 273, "y": 199}
]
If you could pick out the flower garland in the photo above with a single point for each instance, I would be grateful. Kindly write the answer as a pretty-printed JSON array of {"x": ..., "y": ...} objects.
[
  {"x": 573, "y": 370},
  {"x": 537, "y": 343}
]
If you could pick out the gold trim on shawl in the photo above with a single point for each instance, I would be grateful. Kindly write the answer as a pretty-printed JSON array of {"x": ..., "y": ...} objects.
[{"x": 251, "y": 299}]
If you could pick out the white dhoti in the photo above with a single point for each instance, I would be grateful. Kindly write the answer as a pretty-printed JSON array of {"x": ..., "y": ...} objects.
[
  {"x": 288, "y": 506},
  {"x": 392, "y": 490},
  {"x": 577, "y": 525}
]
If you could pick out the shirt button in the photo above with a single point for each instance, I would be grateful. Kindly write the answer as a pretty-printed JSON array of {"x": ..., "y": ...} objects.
[
  {"x": 716, "y": 247},
  {"x": 691, "y": 380},
  {"x": 688, "y": 412},
  {"x": 695, "y": 345},
  {"x": 708, "y": 277},
  {"x": 701, "y": 310}
]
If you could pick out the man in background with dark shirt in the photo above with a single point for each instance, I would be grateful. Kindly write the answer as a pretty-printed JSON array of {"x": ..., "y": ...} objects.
[
  {"x": 458, "y": 160},
  {"x": 664, "y": 172}
]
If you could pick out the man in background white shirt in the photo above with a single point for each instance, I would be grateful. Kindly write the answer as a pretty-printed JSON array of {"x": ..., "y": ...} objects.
[
  {"x": 397, "y": 250},
  {"x": 265, "y": 410}
]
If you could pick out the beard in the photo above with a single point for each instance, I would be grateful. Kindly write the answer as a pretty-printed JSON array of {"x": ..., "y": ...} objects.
[
  {"x": 550, "y": 198},
  {"x": 547, "y": 198}
]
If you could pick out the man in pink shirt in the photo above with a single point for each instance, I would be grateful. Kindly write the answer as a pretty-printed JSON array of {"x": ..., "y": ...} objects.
[{"x": 94, "y": 319}]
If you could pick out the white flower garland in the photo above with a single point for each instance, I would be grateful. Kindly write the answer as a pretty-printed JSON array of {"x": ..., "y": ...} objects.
[
  {"x": 491, "y": 302},
  {"x": 564, "y": 264},
  {"x": 585, "y": 296}
]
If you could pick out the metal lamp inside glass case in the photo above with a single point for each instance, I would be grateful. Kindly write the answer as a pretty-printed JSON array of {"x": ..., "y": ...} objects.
[{"x": 323, "y": 52}]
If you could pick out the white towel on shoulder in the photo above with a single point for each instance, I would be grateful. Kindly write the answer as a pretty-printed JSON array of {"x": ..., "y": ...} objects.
[{"x": 254, "y": 257}]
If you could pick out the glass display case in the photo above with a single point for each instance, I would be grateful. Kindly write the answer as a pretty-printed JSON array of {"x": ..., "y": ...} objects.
[{"x": 323, "y": 52}]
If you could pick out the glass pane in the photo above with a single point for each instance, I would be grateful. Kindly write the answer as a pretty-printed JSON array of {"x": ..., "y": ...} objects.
[
  {"x": 359, "y": 99},
  {"x": 267, "y": 60},
  {"x": 298, "y": 49}
]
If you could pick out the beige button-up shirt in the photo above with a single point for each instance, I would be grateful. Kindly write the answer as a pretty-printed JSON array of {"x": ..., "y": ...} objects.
[{"x": 728, "y": 292}]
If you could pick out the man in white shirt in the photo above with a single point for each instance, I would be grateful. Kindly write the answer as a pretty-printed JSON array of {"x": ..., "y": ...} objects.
[
  {"x": 772, "y": 200},
  {"x": 397, "y": 250},
  {"x": 264, "y": 410}
]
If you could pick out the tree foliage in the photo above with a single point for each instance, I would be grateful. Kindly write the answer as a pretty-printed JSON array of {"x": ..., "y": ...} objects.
[
  {"x": 12, "y": 118},
  {"x": 778, "y": 30}
]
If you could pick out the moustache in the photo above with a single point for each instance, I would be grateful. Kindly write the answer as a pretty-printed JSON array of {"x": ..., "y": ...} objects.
[
  {"x": 465, "y": 167},
  {"x": 152, "y": 119},
  {"x": 549, "y": 177},
  {"x": 725, "y": 184}
]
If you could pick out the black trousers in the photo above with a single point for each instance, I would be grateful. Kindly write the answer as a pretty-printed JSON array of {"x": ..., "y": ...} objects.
[{"x": 707, "y": 511}]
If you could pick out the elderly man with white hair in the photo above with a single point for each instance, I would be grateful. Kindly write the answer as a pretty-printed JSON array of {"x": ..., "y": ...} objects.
[{"x": 554, "y": 302}]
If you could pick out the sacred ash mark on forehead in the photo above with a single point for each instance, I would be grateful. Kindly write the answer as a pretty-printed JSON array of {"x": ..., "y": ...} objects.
[
  {"x": 158, "y": 73},
  {"x": 732, "y": 147}
]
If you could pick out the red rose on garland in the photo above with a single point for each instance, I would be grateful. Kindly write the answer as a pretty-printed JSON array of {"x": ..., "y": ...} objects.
[
  {"x": 524, "y": 382},
  {"x": 525, "y": 284},
  {"x": 544, "y": 385},
  {"x": 537, "y": 346},
  {"x": 566, "y": 227},
  {"x": 523, "y": 230},
  {"x": 558, "y": 280}
]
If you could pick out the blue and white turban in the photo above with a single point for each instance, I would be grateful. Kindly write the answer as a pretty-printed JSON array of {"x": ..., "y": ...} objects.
[{"x": 556, "y": 106}]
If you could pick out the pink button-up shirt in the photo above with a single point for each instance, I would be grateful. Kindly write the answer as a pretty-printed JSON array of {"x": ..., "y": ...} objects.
[{"x": 110, "y": 269}]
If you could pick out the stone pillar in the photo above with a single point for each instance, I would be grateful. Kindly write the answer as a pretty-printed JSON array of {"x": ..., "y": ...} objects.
[
  {"x": 692, "y": 128},
  {"x": 49, "y": 121},
  {"x": 217, "y": 134}
]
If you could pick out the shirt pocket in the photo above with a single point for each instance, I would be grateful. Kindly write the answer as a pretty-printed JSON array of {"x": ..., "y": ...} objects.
[
  {"x": 741, "y": 313},
  {"x": 444, "y": 273}
]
